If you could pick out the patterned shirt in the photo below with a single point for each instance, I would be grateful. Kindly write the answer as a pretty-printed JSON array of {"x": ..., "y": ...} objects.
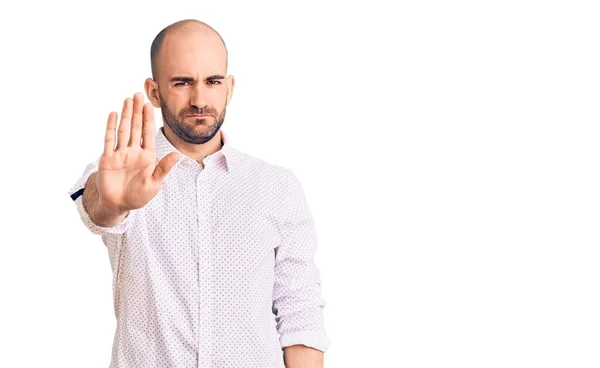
[{"x": 217, "y": 270}]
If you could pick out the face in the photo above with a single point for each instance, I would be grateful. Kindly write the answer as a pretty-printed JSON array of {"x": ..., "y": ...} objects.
[
  {"x": 190, "y": 86},
  {"x": 189, "y": 126}
]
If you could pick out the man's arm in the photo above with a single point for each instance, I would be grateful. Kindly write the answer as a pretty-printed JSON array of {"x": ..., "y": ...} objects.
[
  {"x": 97, "y": 213},
  {"x": 80, "y": 190},
  {"x": 297, "y": 301},
  {"x": 127, "y": 176},
  {"x": 301, "y": 356}
]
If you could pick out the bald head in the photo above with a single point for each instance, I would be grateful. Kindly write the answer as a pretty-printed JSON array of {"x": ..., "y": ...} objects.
[{"x": 199, "y": 31}]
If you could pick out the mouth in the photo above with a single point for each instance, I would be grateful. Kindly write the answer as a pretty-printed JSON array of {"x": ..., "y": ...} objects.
[{"x": 197, "y": 116}]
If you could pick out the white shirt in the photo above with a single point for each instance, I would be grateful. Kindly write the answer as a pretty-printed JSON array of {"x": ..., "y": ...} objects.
[{"x": 217, "y": 270}]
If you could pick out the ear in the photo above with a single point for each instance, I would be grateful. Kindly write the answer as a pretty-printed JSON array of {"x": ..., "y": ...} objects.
[
  {"x": 151, "y": 88},
  {"x": 230, "y": 85}
]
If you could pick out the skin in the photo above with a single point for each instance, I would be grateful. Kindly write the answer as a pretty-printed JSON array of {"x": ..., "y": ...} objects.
[{"x": 191, "y": 69}]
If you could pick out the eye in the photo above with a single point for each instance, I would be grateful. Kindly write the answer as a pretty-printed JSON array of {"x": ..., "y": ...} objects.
[
  {"x": 181, "y": 84},
  {"x": 214, "y": 82}
]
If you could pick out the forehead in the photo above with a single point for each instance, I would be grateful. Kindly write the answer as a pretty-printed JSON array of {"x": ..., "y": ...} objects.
[{"x": 192, "y": 53}]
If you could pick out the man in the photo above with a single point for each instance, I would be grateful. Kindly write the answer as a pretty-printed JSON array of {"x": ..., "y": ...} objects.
[{"x": 211, "y": 249}]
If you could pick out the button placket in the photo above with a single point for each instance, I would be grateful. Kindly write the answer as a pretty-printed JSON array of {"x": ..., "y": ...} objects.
[{"x": 205, "y": 277}]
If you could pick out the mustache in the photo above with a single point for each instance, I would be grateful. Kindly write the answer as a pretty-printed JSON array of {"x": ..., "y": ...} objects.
[{"x": 198, "y": 111}]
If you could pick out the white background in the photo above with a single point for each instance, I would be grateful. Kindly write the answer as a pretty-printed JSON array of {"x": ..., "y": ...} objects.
[{"x": 448, "y": 150}]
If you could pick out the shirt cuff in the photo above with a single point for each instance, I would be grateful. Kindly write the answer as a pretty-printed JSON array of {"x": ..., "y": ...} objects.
[
  {"x": 119, "y": 228},
  {"x": 76, "y": 194},
  {"x": 314, "y": 339}
]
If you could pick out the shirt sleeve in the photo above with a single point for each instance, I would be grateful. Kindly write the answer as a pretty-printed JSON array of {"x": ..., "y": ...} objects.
[
  {"x": 76, "y": 194},
  {"x": 297, "y": 301}
]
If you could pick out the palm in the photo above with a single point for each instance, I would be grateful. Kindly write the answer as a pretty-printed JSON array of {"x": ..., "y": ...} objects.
[{"x": 128, "y": 175}]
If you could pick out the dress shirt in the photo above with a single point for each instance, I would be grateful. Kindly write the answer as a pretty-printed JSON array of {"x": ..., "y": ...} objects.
[{"x": 217, "y": 270}]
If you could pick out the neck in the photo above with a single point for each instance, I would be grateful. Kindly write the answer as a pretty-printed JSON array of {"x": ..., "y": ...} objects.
[{"x": 193, "y": 150}]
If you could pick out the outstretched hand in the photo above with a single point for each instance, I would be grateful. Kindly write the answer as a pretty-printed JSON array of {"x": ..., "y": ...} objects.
[{"x": 128, "y": 174}]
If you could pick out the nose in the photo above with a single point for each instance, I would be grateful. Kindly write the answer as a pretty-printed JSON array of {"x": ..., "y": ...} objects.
[{"x": 198, "y": 96}]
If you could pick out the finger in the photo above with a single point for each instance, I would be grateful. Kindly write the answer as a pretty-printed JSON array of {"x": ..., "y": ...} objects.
[
  {"x": 125, "y": 125},
  {"x": 164, "y": 166},
  {"x": 149, "y": 130},
  {"x": 136, "y": 121},
  {"x": 109, "y": 137}
]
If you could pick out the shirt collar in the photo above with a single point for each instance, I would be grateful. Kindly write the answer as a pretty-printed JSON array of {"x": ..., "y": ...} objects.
[{"x": 227, "y": 153}]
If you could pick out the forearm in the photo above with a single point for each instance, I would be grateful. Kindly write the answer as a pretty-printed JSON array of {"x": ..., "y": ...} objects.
[
  {"x": 91, "y": 204},
  {"x": 301, "y": 356}
]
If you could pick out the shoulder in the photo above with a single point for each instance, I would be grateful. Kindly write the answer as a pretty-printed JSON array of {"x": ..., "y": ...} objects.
[{"x": 252, "y": 165}]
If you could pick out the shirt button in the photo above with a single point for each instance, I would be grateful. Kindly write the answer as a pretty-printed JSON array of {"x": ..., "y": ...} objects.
[
  {"x": 201, "y": 180},
  {"x": 204, "y": 265},
  {"x": 202, "y": 221},
  {"x": 203, "y": 359},
  {"x": 204, "y": 311}
]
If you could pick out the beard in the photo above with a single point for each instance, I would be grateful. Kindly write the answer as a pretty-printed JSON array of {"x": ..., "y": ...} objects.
[{"x": 187, "y": 130}]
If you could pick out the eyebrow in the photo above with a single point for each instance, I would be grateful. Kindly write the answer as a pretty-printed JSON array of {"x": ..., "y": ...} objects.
[
  {"x": 215, "y": 77},
  {"x": 189, "y": 79},
  {"x": 182, "y": 79}
]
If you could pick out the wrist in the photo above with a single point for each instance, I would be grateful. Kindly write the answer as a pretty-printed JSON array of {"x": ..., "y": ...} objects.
[{"x": 111, "y": 211}]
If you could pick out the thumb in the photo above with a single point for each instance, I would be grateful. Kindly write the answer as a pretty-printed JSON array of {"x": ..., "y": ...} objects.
[{"x": 164, "y": 166}]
